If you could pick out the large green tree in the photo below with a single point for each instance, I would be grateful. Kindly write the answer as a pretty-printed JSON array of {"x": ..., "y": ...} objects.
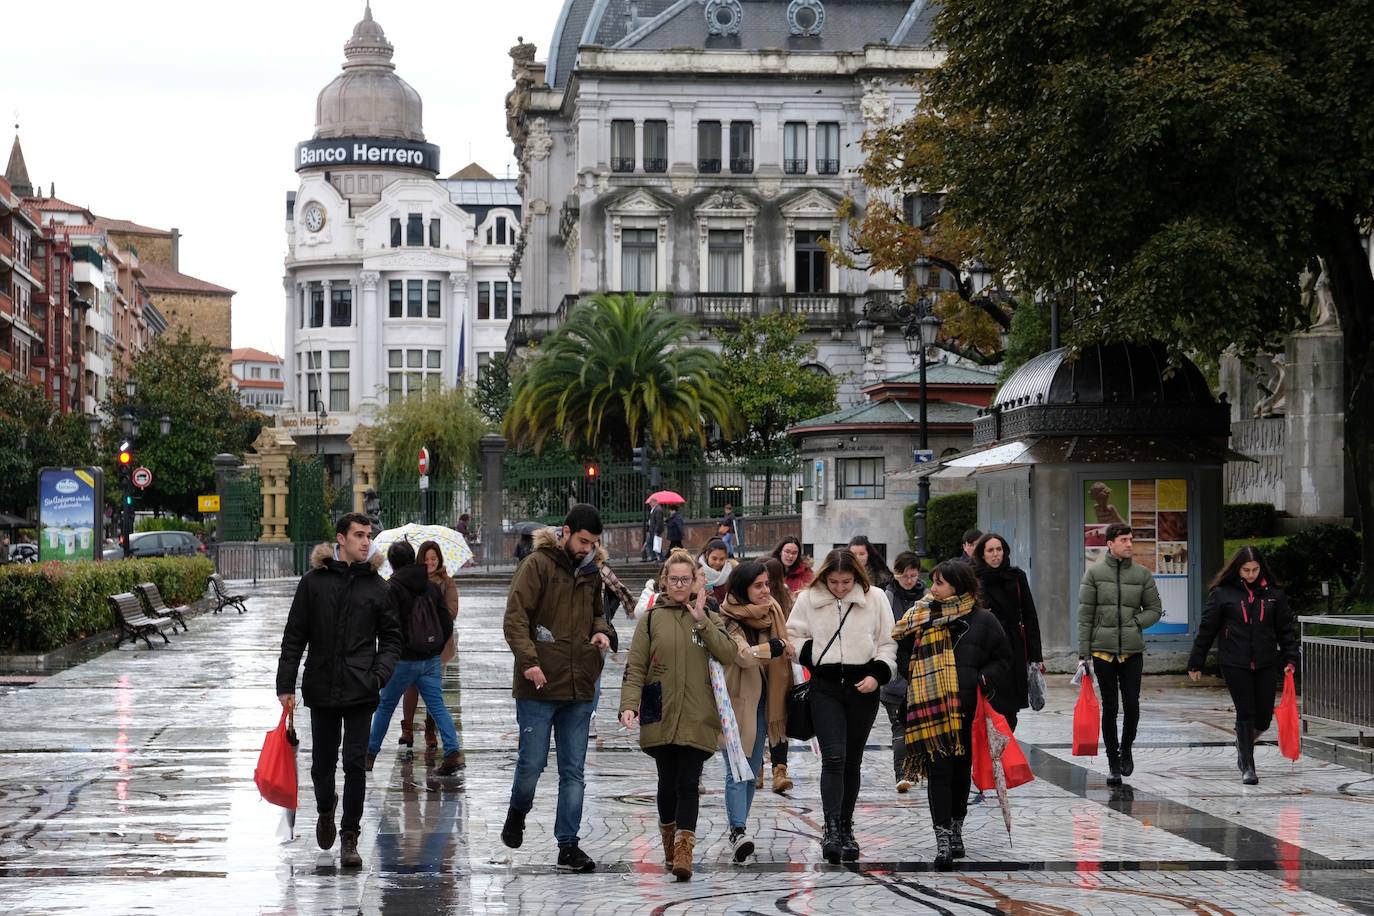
[
  {"x": 443, "y": 420},
  {"x": 1174, "y": 163},
  {"x": 764, "y": 365},
  {"x": 622, "y": 371},
  {"x": 494, "y": 388},
  {"x": 34, "y": 435},
  {"x": 185, "y": 380}
]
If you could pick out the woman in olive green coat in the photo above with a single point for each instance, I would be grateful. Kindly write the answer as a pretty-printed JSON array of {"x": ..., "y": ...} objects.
[{"x": 667, "y": 690}]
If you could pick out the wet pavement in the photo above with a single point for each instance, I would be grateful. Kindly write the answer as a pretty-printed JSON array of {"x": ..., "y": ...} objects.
[{"x": 127, "y": 787}]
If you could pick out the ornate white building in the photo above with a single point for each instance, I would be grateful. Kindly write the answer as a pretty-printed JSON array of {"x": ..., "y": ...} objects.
[
  {"x": 396, "y": 280},
  {"x": 703, "y": 151}
]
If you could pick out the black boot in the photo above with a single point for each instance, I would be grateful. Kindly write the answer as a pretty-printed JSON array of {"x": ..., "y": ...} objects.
[
  {"x": 956, "y": 842},
  {"x": 1127, "y": 763},
  {"x": 348, "y": 850},
  {"x": 1113, "y": 769},
  {"x": 944, "y": 847},
  {"x": 513, "y": 833},
  {"x": 849, "y": 845},
  {"x": 1245, "y": 745},
  {"x": 830, "y": 841}
]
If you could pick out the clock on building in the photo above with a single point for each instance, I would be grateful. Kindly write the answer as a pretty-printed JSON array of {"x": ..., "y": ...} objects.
[{"x": 314, "y": 217}]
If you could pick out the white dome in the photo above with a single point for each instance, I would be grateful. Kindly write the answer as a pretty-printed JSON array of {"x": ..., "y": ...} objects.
[{"x": 368, "y": 99}]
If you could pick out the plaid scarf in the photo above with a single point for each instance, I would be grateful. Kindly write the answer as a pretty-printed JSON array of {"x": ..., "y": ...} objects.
[{"x": 933, "y": 719}]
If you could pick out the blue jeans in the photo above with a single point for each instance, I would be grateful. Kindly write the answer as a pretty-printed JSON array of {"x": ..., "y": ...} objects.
[
  {"x": 428, "y": 676},
  {"x": 569, "y": 721},
  {"x": 739, "y": 796}
]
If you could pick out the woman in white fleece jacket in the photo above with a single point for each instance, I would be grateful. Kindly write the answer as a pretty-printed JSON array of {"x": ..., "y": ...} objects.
[{"x": 846, "y": 671}]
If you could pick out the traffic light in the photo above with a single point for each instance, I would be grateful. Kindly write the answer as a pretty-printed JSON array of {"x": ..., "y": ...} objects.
[
  {"x": 641, "y": 460},
  {"x": 125, "y": 459},
  {"x": 592, "y": 472}
]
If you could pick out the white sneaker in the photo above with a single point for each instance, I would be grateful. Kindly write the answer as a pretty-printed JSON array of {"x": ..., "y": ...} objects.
[
  {"x": 591, "y": 730},
  {"x": 741, "y": 844},
  {"x": 903, "y": 786}
]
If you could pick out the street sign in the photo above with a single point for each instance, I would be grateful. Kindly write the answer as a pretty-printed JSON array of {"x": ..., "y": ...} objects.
[
  {"x": 142, "y": 478},
  {"x": 922, "y": 455},
  {"x": 424, "y": 481},
  {"x": 424, "y": 461},
  {"x": 207, "y": 503}
]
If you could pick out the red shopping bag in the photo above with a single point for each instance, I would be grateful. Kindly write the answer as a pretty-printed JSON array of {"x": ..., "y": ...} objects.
[
  {"x": 1014, "y": 762},
  {"x": 276, "y": 772},
  {"x": 1087, "y": 720},
  {"x": 1290, "y": 725}
]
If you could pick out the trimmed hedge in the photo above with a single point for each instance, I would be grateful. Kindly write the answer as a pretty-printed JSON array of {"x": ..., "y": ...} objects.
[
  {"x": 46, "y": 606},
  {"x": 947, "y": 518},
  {"x": 1323, "y": 552},
  {"x": 1248, "y": 520}
]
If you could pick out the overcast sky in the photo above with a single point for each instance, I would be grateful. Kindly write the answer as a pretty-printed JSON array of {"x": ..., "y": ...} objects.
[{"x": 175, "y": 113}]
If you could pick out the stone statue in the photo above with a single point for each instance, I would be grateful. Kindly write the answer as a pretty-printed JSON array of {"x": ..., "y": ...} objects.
[
  {"x": 1317, "y": 301},
  {"x": 1275, "y": 400}
]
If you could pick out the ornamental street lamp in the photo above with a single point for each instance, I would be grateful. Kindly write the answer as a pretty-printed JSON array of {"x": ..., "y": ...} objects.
[
  {"x": 320, "y": 417},
  {"x": 920, "y": 330}
]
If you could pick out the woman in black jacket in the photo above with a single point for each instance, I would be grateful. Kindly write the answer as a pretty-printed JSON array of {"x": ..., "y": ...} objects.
[
  {"x": 1259, "y": 631},
  {"x": 1006, "y": 592},
  {"x": 954, "y": 647}
]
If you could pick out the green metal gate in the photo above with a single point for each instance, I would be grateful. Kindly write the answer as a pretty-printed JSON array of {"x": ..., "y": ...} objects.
[
  {"x": 241, "y": 512},
  {"x": 307, "y": 514}
]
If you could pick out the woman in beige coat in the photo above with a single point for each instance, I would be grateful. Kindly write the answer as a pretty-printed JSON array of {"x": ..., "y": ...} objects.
[
  {"x": 431, "y": 557},
  {"x": 757, "y": 684}
]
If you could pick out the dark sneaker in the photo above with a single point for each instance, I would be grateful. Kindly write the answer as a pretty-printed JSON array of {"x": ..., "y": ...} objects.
[
  {"x": 325, "y": 831},
  {"x": 348, "y": 850},
  {"x": 572, "y": 858},
  {"x": 513, "y": 833}
]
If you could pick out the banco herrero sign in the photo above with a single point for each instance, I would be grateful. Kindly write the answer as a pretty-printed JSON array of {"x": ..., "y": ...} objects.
[{"x": 340, "y": 151}]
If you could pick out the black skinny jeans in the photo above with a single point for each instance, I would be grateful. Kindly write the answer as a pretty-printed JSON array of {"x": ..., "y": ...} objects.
[
  {"x": 679, "y": 780},
  {"x": 1252, "y": 690},
  {"x": 948, "y": 780},
  {"x": 1123, "y": 677},
  {"x": 329, "y": 728},
  {"x": 843, "y": 718}
]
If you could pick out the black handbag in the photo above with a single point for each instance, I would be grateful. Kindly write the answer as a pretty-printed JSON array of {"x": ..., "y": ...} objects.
[{"x": 799, "y": 722}]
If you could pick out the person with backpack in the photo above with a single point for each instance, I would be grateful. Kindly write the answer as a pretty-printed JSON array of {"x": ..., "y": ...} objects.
[{"x": 427, "y": 626}]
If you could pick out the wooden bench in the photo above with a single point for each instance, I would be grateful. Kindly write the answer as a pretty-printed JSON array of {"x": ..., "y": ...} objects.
[
  {"x": 130, "y": 619},
  {"x": 159, "y": 609},
  {"x": 222, "y": 597}
]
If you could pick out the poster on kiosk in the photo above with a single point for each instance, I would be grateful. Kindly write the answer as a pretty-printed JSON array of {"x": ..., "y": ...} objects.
[{"x": 71, "y": 512}]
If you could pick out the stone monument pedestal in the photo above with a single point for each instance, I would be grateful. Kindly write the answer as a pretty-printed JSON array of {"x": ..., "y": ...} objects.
[{"x": 1315, "y": 474}]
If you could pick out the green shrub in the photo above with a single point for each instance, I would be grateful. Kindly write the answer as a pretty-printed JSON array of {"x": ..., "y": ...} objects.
[
  {"x": 166, "y": 523},
  {"x": 947, "y": 518},
  {"x": 46, "y": 606},
  {"x": 1247, "y": 520},
  {"x": 1323, "y": 552}
]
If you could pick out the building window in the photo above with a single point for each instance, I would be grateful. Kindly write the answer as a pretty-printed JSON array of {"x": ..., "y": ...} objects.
[
  {"x": 828, "y": 149},
  {"x": 432, "y": 293},
  {"x": 622, "y": 146},
  {"x": 275, "y": 375},
  {"x": 741, "y": 147},
  {"x": 794, "y": 148},
  {"x": 312, "y": 380},
  {"x": 515, "y": 299},
  {"x": 414, "y": 297},
  {"x": 340, "y": 306},
  {"x": 397, "y": 294},
  {"x": 655, "y": 146},
  {"x": 412, "y": 372},
  {"x": 502, "y": 312},
  {"x": 639, "y": 260},
  {"x": 300, "y": 309},
  {"x": 338, "y": 381},
  {"x": 725, "y": 261},
  {"x": 859, "y": 478},
  {"x": 255, "y": 372},
  {"x": 483, "y": 301},
  {"x": 395, "y": 232},
  {"x": 434, "y": 233},
  {"x": 316, "y": 305},
  {"x": 415, "y": 229},
  {"x": 395, "y": 381},
  {"x": 812, "y": 265},
  {"x": 708, "y": 146}
]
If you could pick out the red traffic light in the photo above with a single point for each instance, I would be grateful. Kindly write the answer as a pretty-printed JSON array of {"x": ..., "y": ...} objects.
[{"x": 592, "y": 471}]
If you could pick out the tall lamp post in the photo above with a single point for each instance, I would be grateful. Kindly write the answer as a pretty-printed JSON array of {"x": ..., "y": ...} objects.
[
  {"x": 320, "y": 417},
  {"x": 920, "y": 329}
]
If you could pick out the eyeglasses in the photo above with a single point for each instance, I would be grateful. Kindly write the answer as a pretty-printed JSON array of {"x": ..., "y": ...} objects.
[{"x": 681, "y": 580}]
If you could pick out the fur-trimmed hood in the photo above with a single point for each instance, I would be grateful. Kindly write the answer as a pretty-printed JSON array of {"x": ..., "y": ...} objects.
[{"x": 325, "y": 552}]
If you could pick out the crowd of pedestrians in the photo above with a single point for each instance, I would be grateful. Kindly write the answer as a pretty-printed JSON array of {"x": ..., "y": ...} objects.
[{"x": 715, "y": 662}]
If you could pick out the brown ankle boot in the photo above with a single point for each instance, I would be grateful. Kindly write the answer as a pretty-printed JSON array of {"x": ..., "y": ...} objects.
[
  {"x": 683, "y": 846},
  {"x": 407, "y": 733},
  {"x": 348, "y": 850},
  {"x": 781, "y": 783},
  {"x": 431, "y": 732},
  {"x": 758, "y": 783},
  {"x": 668, "y": 832}
]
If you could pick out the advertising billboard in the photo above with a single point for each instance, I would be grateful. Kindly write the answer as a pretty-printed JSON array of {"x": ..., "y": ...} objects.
[
  {"x": 71, "y": 507},
  {"x": 1157, "y": 511}
]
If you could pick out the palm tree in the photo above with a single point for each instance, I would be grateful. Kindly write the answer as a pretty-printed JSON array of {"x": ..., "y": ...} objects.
[{"x": 619, "y": 367}]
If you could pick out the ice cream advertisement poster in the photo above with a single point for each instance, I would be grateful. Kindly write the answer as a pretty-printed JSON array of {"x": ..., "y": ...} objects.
[{"x": 71, "y": 504}]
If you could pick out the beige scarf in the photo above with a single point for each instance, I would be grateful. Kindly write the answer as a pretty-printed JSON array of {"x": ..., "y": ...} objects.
[{"x": 768, "y": 620}]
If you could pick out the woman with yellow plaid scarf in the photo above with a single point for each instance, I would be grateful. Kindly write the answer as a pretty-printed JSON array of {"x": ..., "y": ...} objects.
[{"x": 950, "y": 646}]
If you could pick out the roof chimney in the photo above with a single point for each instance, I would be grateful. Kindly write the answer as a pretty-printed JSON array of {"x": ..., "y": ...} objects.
[{"x": 176, "y": 249}]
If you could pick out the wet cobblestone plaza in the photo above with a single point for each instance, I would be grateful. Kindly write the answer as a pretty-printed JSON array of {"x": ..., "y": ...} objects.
[{"x": 127, "y": 787}]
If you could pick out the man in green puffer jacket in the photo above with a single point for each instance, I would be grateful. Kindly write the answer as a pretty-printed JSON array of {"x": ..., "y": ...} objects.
[{"x": 1117, "y": 602}]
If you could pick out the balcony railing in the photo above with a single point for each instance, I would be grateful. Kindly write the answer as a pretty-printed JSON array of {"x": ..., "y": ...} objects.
[
  {"x": 827, "y": 166},
  {"x": 741, "y": 166},
  {"x": 655, "y": 165},
  {"x": 794, "y": 166},
  {"x": 621, "y": 164},
  {"x": 708, "y": 166}
]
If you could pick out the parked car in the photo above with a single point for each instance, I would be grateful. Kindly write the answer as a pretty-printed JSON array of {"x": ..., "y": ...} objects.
[
  {"x": 165, "y": 544},
  {"x": 23, "y": 553},
  {"x": 111, "y": 550}
]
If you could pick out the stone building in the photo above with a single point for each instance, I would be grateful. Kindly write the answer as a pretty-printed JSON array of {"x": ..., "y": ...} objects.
[
  {"x": 703, "y": 152},
  {"x": 18, "y": 233},
  {"x": 257, "y": 377},
  {"x": 396, "y": 282}
]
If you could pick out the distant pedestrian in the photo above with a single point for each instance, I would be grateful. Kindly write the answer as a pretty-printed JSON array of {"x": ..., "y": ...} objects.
[
  {"x": 1117, "y": 602},
  {"x": 653, "y": 532},
  {"x": 777, "y": 750},
  {"x": 757, "y": 682},
  {"x": 346, "y": 617},
  {"x": 1007, "y": 593},
  {"x": 428, "y": 626},
  {"x": 465, "y": 526},
  {"x": 667, "y": 692},
  {"x": 731, "y": 521},
  {"x": 798, "y": 574},
  {"x": 967, "y": 543},
  {"x": 676, "y": 529},
  {"x": 727, "y": 537},
  {"x": 716, "y": 566},
  {"x": 904, "y": 591},
  {"x": 431, "y": 557},
  {"x": 955, "y": 647},
  {"x": 1258, "y": 632},
  {"x": 879, "y": 576},
  {"x": 557, "y": 632},
  {"x": 841, "y": 629}
]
